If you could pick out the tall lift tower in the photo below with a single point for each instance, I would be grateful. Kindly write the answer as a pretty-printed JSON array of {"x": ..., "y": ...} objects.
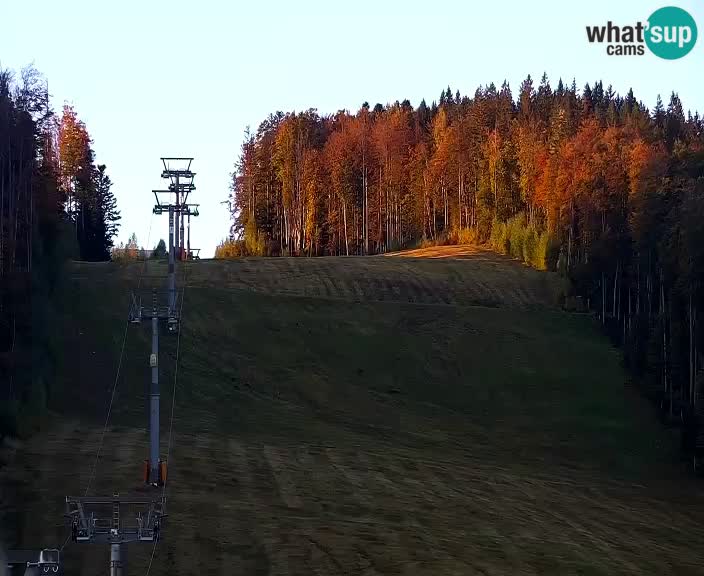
[
  {"x": 117, "y": 520},
  {"x": 178, "y": 172}
]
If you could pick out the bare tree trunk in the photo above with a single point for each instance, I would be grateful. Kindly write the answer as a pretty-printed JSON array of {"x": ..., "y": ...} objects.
[
  {"x": 447, "y": 209},
  {"x": 397, "y": 219},
  {"x": 603, "y": 299},
  {"x": 649, "y": 287},
  {"x": 694, "y": 356},
  {"x": 3, "y": 244},
  {"x": 569, "y": 239},
  {"x": 691, "y": 349},
  {"x": 30, "y": 222},
  {"x": 496, "y": 161},
  {"x": 615, "y": 288},
  {"x": 638, "y": 288},
  {"x": 474, "y": 201},
  {"x": 387, "y": 217},
  {"x": 12, "y": 352},
  {"x": 18, "y": 188},
  {"x": 668, "y": 387},
  {"x": 302, "y": 222},
  {"x": 2, "y": 225},
  {"x": 459, "y": 196},
  {"x": 381, "y": 232},
  {"x": 366, "y": 207},
  {"x": 344, "y": 213}
]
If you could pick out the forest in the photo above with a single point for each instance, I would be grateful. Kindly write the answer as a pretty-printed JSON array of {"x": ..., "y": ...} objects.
[
  {"x": 56, "y": 204},
  {"x": 591, "y": 184}
]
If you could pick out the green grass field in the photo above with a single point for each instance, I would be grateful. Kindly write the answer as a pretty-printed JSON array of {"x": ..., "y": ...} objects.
[{"x": 434, "y": 414}]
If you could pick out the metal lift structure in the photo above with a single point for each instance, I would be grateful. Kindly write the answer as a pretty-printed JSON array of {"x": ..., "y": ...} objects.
[
  {"x": 118, "y": 520},
  {"x": 34, "y": 562},
  {"x": 191, "y": 253},
  {"x": 178, "y": 172}
]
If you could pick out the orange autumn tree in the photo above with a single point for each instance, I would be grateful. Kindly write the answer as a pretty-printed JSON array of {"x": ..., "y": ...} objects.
[{"x": 75, "y": 156}]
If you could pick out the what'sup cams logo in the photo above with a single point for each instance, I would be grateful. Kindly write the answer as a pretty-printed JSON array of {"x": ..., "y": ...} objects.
[{"x": 669, "y": 33}]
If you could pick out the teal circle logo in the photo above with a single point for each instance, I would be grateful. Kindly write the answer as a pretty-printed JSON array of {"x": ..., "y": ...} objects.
[{"x": 670, "y": 33}]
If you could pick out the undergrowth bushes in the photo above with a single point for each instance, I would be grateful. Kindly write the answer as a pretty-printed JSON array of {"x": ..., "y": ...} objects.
[{"x": 518, "y": 239}]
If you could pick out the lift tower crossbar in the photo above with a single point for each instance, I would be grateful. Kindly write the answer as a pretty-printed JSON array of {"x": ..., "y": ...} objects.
[{"x": 105, "y": 520}]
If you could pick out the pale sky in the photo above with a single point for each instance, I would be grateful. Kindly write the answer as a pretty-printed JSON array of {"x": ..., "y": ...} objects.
[{"x": 172, "y": 78}]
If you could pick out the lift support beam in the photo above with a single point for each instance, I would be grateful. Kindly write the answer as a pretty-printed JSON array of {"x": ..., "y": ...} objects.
[
  {"x": 31, "y": 562},
  {"x": 102, "y": 520}
]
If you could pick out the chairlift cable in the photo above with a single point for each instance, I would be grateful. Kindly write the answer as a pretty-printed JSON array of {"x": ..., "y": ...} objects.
[
  {"x": 173, "y": 396},
  {"x": 117, "y": 374}
]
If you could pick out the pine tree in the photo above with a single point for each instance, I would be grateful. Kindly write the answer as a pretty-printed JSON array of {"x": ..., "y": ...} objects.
[
  {"x": 630, "y": 101},
  {"x": 674, "y": 121},
  {"x": 159, "y": 251},
  {"x": 107, "y": 215},
  {"x": 132, "y": 247},
  {"x": 587, "y": 101},
  {"x": 658, "y": 118},
  {"x": 526, "y": 95},
  {"x": 560, "y": 88}
]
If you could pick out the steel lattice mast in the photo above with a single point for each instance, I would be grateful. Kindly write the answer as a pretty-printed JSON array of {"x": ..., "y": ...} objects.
[{"x": 178, "y": 172}]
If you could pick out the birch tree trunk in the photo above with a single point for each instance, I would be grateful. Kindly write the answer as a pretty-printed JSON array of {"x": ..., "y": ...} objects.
[
  {"x": 603, "y": 299},
  {"x": 459, "y": 197},
  {"x": 344, "y": 212},
  {"x": 613, "y": 313}
]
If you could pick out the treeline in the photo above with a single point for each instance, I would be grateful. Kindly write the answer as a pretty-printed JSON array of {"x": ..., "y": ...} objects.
[
  {"x": 588, "y": 182},
  {"x": 87, "y": 197},
  {"x": 132, "y": 251},
  {"x": 55, "y": 204}
]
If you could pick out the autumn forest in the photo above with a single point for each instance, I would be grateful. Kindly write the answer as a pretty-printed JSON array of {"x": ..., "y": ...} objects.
[
  {"x": 588, "y": 183},
  {"x": 56, "y": 204}
]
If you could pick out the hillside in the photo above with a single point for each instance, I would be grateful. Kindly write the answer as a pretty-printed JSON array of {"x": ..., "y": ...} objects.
[{"x": 428, "y": 414}]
